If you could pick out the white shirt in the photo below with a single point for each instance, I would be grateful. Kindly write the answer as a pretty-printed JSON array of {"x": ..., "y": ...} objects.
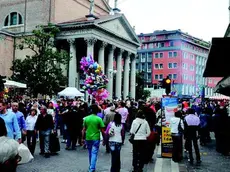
[
  {"x": 30, "y": 122},
  {"x": 117, "y": 133},
  {"x": 144, "y": 130},
  {"x": 174, "y": 123}
]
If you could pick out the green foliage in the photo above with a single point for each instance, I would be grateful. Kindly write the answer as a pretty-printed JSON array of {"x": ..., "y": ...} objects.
[
  {"x": 42, "y": 71},
  {"x": 146, "y": 94}
]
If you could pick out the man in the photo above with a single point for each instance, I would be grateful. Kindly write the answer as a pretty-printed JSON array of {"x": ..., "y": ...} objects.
[
  {"x": 11, "y": 123},
  {"x": 192, "y": 123},
  {"x": 20, "y": 118},
  {"x": 8, "y": 151},
  {"x": 45, "y": 126},
  {"x": 92, "y": 127}
]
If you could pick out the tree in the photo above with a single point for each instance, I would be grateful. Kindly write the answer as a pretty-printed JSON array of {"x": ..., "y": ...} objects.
[
  {"x": 41, "y": 71},
  {"x": 146, "y": 94},
  {"x": 140, "y": 85}
]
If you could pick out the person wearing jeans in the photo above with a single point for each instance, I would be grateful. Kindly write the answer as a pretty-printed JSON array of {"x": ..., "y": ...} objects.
[
  {"x": 45, "y": 126},
  {"x": 116, "y": 132},
  {"x": 92, "y": 127}
]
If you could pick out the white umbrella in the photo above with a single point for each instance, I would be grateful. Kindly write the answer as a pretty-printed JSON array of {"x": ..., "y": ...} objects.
[
  {"x": 9, "y": 83},
  {"x": 71, "y": 92}
]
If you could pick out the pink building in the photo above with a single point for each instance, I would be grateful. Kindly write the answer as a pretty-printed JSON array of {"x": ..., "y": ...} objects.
[{"x": 178, "y": 55}]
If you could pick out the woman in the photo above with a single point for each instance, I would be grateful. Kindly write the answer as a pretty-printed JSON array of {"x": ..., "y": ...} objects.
[
  {"x": 141, "y": 129},
  {"x": 31, "y": 132},
  {"x": 116, "y": 135},
  {"x": 176, "y": 125}
]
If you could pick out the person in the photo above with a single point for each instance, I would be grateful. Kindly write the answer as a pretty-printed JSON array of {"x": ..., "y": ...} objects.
[
  {"x": 21, "y": 120},
  {"x": 107, "y": 119},
  {"x": 11, "y": 123},
  {"x": 44, "y": 125},
  {"x": 31, "y": 132},
  {"x": 175, "y": 122},
  {"x": 141, "y": 129},
  {"x": 9, "y": 157},
  {"x": 116, "y": 135},
  {"x": 192, "y": 123},
  {"x": 92, "y": 126}
]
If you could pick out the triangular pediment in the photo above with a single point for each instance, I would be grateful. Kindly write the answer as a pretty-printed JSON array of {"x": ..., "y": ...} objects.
[{"x": 120, "y": 26}]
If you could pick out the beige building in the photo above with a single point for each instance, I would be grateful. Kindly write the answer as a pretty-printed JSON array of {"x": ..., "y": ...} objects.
[{"x": 87, "y": 28}]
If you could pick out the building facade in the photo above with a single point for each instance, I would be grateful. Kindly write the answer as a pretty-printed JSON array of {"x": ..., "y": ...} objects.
[
  {"x": 87, "y": 28},
  {"x": 178, "y": 55}
]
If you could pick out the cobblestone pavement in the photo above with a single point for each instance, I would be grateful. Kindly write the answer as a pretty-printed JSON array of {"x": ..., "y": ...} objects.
[
  {"x": 212, "y": 161},
  {"x": 77, "y": 161}
]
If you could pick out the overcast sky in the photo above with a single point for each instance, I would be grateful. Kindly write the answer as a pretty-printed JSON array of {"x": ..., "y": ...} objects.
[{"x": 200, "y": 18}]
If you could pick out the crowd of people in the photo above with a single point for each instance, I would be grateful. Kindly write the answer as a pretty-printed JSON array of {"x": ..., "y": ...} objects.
[{"x": 113, "y": 123}]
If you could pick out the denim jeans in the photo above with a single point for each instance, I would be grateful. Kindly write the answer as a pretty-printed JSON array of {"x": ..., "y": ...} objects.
[
  {"x": 45, "y": 140},
  {"x": 115, "y": 149},
  {"x": 93, "y": 147}
]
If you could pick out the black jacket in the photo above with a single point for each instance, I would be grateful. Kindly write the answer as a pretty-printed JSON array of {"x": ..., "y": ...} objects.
[{"x": 44, "y": 122}]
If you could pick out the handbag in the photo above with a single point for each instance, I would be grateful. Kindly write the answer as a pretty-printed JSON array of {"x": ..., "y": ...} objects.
[
  {"x": 25, "y": 154},
  {"x": 180, "y": 129},
  {"x": 131, "y": 139}
]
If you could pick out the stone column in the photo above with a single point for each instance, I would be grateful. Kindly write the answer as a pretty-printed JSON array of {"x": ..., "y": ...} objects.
[
  {"x": 126, "y": 76},
  {"x": 101, "y": 56},
  {"x": 90, "y": 45},
  {"x": 133, "y": 77},
  {"x": 119, "y": 74},
  {"x": 72, "y": 64},
  {"x": 110, "y": 71}
]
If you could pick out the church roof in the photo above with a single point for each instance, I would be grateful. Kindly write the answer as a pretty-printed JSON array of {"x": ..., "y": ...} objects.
[{"x": 99, "y": 21}]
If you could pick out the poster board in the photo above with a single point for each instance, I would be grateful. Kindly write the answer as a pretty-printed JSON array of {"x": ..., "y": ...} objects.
[{"x": 169, "y": 107}]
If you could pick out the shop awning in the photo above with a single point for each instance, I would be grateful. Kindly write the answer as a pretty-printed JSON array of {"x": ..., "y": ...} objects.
[{"x": 218, "y": 59}]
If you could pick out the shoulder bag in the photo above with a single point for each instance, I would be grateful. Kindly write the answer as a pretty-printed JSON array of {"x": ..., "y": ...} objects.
[{"x": 131, "y": 139}]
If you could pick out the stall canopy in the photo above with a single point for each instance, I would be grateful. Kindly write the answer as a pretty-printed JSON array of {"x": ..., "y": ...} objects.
[
  {"x": 14, "y": 84},
  {"x": 217, "y": 64},
  {"x": 70, "y": 92},
  {"x": 223, "y": 86}
]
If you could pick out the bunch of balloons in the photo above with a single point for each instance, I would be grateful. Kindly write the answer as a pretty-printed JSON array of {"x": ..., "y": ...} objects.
[{"x": 95, "y": 81}]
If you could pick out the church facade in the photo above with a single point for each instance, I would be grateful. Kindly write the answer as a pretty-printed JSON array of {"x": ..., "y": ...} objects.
[{"x": 87, "y": 28}]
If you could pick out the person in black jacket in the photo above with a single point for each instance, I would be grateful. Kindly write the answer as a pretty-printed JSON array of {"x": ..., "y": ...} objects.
[{"x": 45, "y": 126}]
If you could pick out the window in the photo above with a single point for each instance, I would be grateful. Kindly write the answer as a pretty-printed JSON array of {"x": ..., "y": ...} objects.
[
  {"x": 156, "y": 77},
  {"x": 191, "y": 77},
  {"x": 170, "y": 76},
  {"x": 150, "y": 56},
  {"x": 161, "y": 76},
  {"x": 156, "y": 55},
  {"x": 13, "y": 19},
  {"x": 170, "y": 54},
  {"x": 162, "y": 44},
  {"x": 151, "y": 45},
  {"x": 174, "y": 76},
  {"x": 185, "y": 55},
  {"x": 209, "y": 81},
  {"x": 156, "y": 66},
  {"x": 143, "y": 57},
  {"x": 174, "y": 54},
  {"x": 185, "y": 66},
  {"x": 161, "y": 55},
  {"x": 191, "y": 67},
  {"x": 171, "y": 44},
  {"x": 185, "y": 76},
  {"x": 172, "y": 65},
  {"x": 161, "y": 66},
  {"x": 192, "y": 57}
]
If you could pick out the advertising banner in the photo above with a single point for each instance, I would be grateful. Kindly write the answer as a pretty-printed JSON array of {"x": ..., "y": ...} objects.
[{"x": 169, "y": 107}]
